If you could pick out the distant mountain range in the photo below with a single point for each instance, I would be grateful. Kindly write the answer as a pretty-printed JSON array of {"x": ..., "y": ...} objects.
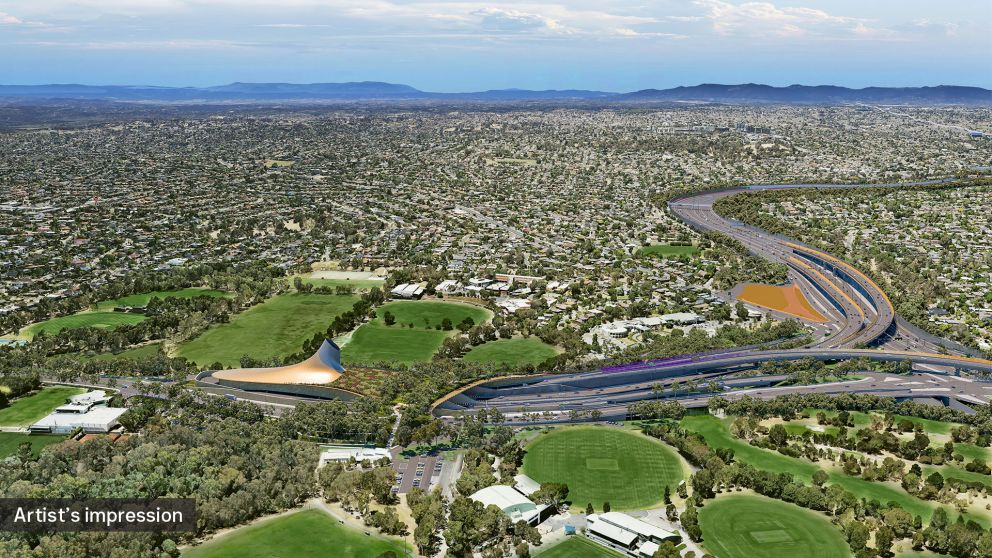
[{"x": 379, "y": 91}]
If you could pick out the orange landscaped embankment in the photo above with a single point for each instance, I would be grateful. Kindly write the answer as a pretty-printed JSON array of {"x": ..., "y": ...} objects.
[{"x": 787, "y": 300}]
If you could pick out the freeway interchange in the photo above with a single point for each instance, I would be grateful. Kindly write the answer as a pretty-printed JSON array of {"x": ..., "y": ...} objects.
[{"x": 862, "y": 323}]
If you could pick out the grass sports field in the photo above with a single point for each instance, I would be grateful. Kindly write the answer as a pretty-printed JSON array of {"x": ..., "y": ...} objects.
[
  {"x": 104, "y": 317},
  {"x": 305, "y": 533},
  {"x": 530, "y": 350},
  {"x": 601, "y": 464},
  {"x": 276, "y": 327},
  {"x": 376, "y": 342},
  {"x": 10, "y": 441},
  {"x": 717, "y": 435},
  {"x": 577, "y": 546},
  {"x": 103, "y": 320},
  {"x": 667, "y": 251},
  {"x": 27, "y": 410},
  {"x": 745, "y": 526}
]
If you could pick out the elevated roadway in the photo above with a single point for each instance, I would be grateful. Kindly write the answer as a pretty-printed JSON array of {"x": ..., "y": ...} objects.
[{"x": 863, "y": 324}]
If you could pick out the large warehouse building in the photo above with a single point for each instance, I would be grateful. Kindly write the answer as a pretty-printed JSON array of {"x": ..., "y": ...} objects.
[{"x": 314, "y": 377}]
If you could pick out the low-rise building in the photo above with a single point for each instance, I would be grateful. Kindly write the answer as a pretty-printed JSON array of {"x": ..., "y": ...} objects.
[
  {"x": 87, "y": 411},
  {"x": 513, "y": 502},
  {"x": 347, "y": 453},
  {"x": 636, "y": 537}
]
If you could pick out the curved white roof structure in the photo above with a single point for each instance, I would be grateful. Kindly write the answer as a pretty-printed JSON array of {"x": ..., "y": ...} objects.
[{"x": 322, "y": 368}]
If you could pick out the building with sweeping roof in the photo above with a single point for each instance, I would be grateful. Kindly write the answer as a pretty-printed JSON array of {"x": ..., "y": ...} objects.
[{"x": 313, "y": 377}]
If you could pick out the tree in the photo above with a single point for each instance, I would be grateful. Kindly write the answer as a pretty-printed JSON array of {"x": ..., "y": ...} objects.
[
  {"x": 883, "y": 540},
  {"x": 667, "y": 550},
  {"x": 778, "y": 435},
  {"x": 388, "y": 318},
  {"x": 857, "y": 535},
  {"x": 900, "y": 521},
  {"x": 466, "y": 324},
  {"x": 702, "y": 483},
  {"x": 741, "y": 310},
  {"x": 553, "y": 494},
  {"x": 983, "y": 546},
  {"x": 690, "y": 523},
  {"x": 589, "y": 509},
  {"x": 819, "y": 477},
  {"x": 606, "y": 507}
]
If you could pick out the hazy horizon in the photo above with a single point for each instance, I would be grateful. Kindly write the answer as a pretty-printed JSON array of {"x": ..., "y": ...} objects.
[{"x": 445, "y": 46}]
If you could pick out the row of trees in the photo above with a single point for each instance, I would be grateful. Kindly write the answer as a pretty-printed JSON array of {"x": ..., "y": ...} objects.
[{"x": 858, "y": 518}]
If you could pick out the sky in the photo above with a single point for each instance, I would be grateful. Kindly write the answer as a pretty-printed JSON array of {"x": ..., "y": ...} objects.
[{"x": 467, "y": 45}]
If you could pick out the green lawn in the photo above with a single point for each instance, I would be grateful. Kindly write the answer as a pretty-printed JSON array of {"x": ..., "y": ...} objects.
[
  {"x": 141, "y": 299},
  {"x": 667, "y": 251},
  {"x": 305, "y": 533},
  {"x": 519, "y": 351},
  {"x": 276, "y": 327},
  {"x": 377, "y": 342},
  {"x": 104, "y": 316},
  {"x": 27, "y": 410},
  {"x": 144, "y": 351},
  {"x": 971, "y": 451},
  {"x": 10, "y": 441},
  {"x": 601, "y": 464},
  {"x": 103, "y": 320},
  {"x": 746, "y": 526},
  {"x": 717, "y": 435},
  {"x": 577, "y": 546}
]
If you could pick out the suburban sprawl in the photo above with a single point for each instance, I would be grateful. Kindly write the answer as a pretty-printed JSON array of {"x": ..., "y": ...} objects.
[{"x": 501, "y": 329}]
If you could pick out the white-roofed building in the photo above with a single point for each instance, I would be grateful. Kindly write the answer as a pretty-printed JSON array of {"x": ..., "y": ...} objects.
[
  {"x": 525, "y": 484},
  {"x": 87, "y": 411},
  {"x": 628, "y": 532},
  {"x": 682, "y": 318},
  {"x": 449, "y": 286},
  {"x": 611, "y": 533},
  {"x": 407, "y": 290},
  {"x": 513, "y": 503},
  {"x": 94, "y": 420},
  {"x": 347, "y": 453},
  {"x": 647, "y": 549}
]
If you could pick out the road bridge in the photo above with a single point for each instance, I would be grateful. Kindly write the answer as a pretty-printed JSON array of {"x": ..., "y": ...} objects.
[{"x": 864, "y": 325}]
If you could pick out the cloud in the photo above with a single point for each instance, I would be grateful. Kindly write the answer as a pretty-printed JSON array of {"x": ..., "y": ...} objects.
[
  {"x": 498, "y": 19},
  {"x": 7, "y": 19},
  {"x": 930, "y": 27},
  {"x": 765, "y": 18}
]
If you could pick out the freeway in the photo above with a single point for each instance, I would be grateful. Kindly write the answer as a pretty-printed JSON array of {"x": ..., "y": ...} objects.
[{"x": 863, "y": 324}]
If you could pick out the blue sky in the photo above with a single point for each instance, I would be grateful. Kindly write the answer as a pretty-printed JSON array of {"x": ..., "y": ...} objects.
[{"x": 469, "y": 45}]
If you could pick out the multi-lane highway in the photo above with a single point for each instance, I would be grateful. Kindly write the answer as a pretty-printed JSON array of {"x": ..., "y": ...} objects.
[{"x": 862, "y": 324}]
